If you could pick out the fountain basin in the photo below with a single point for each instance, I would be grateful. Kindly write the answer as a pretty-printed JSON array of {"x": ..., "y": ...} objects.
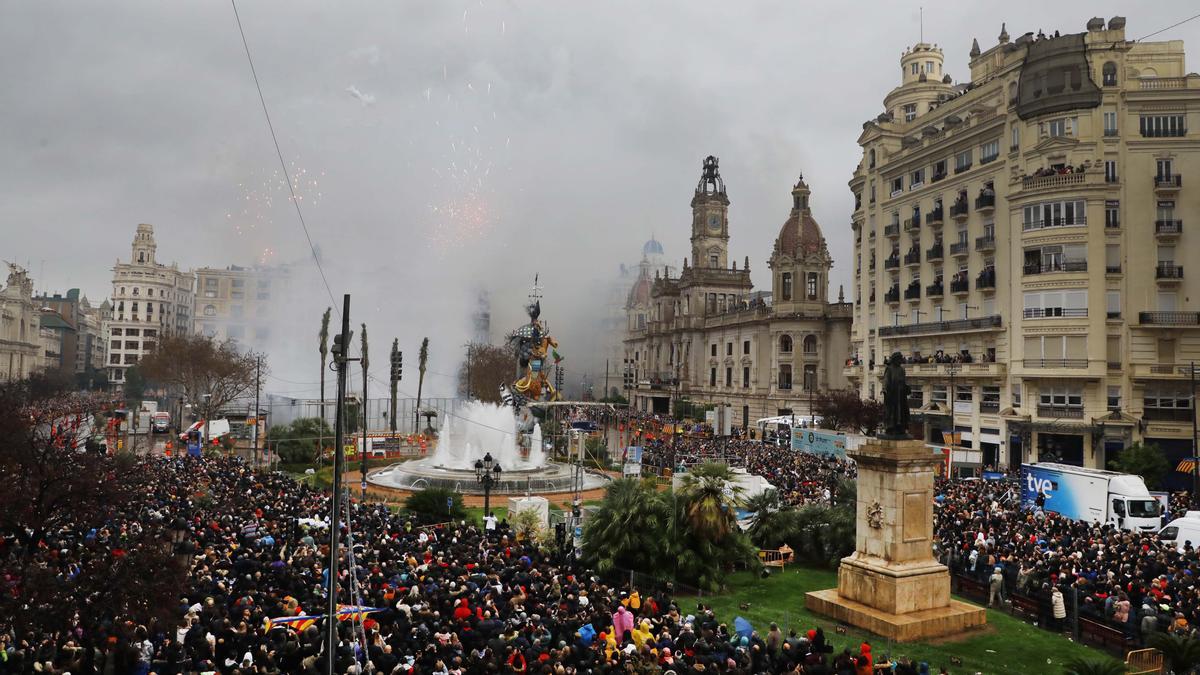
[{"x": 421, "y": 474}]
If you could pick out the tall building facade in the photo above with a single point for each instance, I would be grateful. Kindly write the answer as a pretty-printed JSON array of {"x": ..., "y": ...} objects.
[
  {"x": 86, "y": 354},
  {"x": 706, "y": 336},
  {"x": 1019, "y": 240},
  {"x": 613, "y": 321},
  {"x": 20, "y": 327},
  {"x": 150, "y": 300},
  {"x": 239, "y": 304}
]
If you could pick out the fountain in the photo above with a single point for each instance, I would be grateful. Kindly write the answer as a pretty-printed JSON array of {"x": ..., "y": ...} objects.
[
  {"x": 508, "y": 432},
  {"x": 485, "y": 428}
]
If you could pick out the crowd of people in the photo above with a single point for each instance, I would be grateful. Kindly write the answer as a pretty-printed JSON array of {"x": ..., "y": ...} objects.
[{"x": 453, "y": 598}]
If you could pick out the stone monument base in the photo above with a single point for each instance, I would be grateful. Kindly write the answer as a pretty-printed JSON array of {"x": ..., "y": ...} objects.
[{"x": 955, "y": 617}]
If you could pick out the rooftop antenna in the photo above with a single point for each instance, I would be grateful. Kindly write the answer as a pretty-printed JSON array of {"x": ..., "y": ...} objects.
[{"x": 921, "y": 14}]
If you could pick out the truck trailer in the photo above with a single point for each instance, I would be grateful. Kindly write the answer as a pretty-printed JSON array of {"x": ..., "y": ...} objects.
[{"x": 1090, "y": 495}]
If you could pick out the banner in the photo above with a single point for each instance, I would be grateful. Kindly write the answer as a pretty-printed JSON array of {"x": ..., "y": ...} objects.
[{"x": 817, "y": 442}]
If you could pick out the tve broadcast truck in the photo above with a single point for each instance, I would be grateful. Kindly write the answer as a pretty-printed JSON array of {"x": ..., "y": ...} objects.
[{"x": 1091, "y": 495}]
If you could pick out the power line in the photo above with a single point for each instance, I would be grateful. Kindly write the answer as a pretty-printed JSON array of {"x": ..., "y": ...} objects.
[
  {"x": 1190, "y": 18},
  {"x": 283, "y": 164}
]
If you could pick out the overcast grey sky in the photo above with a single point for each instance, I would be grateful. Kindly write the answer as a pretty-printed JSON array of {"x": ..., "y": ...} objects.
[{"x": 444, "y": 143}]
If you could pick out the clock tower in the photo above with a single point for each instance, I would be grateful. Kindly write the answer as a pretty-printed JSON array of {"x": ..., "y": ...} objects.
[{"x": 710, "y": 219}]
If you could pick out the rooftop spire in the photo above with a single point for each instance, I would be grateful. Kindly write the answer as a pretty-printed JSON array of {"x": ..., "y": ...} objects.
[
  {"x": 1003, "y": 33},
  {"x": 974, "y": 48},
  {"x": 710, "y": 177}
]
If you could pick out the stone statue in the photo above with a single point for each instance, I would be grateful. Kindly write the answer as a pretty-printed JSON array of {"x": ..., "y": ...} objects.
[{"x": 895, "y": 399}]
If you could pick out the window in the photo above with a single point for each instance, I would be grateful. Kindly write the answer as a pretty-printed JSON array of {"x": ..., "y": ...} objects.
[
  {"x": 1109, "y": 74},
  {"x": 897, "y": 185},
  {"x": 150, "y": 292},
  {"x": 785, "y": 285},
  {"x": 1114, "y": 398},
  {"x": 810, "y": 377},
  {"x": 714, "y": 349},
  {"x": 712, "y": 377},
  {"x": 745, "y": 377},
  {"x": 1055, "y": 214},
  {"x": 811, "y": 285},
  {"x": 989, "y": 398},
  {"x": 728, "y": 349},
  {"x": 150, "y": 332},
  {"x": 1061, "y": 396},
  {"x": 962, "y": 161},
  {"x": 785, "y": 377},
  {"x": 810, "y": 344},
  {"x": 1064, "y": 126},
  {"x": 939, "y": 170},
  {"x": 1050, "y": 304},
  {"x": 989, "y": 151},
  {"x": 745, "y": 346},
  {"x": 1014, "y": 140},
  {"x": 114, "y": 358},
  {"x": 1162, "y": 126},
  {"x": 713, "y": 261},
  {"x": 929, "y": 67},
  {"x": 1110, "y": 171},
  {"x": 1112, "y": 214},
  {"x": 135, "y": 308},
  {"x": 1016, "y": 395},
  {"x": 1110, "y": 123},
  {"x": 135, "y": 290},
  {"x": 938, "y": 394},
  {"x": 918, "y": 179},
  {"x": 134, "y": 331},
  {"x": 916, "y": 68},
  {"x": 728, "y": 377},
  {"x": 1112, "y": 258},
  {"x": 1112, "y": 301},
  {"x": 872, "y": 188},
  {"x": 963, "y": 393},
  {"x": 1163, "y": 169},
  {"x": 910, "y": 110},
  {"x": 785, "y": 344},
  {"x": 871, "y": 158},
  {"x": 116, "y": 331}
]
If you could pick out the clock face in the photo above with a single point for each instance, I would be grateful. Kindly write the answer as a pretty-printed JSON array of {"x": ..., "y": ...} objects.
[{"x": 714, "y": 222}]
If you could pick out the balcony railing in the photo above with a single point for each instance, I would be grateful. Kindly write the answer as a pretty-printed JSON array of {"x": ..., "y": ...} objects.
[
  {"x": 933, "y": 290},
  {"x": 1169, "y": 318},
  {"x": 960, "y": 168},
  {"x": 1172, "y": 182},
  {"x": 934, "y": 217},
  {"x": 1056, "y": 266},
  {"x": 892, "y": 295},
  {"x": 1055, "y": 312},
  {"x": 912, "y": 258},
  {"x": 912, "y": 293},
  {"x": 1168, "y": 271},
  {"x": 892, "y": 230},
  {"x": 985, "y": 243},
  {"x": 960, "y": 248},
  {"x": 960, "y": 209},
  {"x": 913, "y": 223},
  {"x": 1112, "y": 269},
  {"x": 1056, "y": 363},
  {"x": 939, "y": 176},
  {"x": 891, "y": 263},
  {"x": 1163, "y": 370},
  {"x": 959, "y": 325},
  {"x": 1060, "y": 412},
  {"x": 1054, "y": 222},
  {"x": 1055, "y": 180},
  {"x": 1168, "y": 414},
  {"x": 960, "y": 286},
  {"x": 934, "y": 252},
  {"x": 1168, "y": 227},
  {"x": 986, "y": 280},
  {"x": 983, "y": 202}
]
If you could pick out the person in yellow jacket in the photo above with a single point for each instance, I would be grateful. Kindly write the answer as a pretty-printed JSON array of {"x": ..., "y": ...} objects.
[
  {"x": 610, "y": 643},
  {"x": 641, "y": 634}
]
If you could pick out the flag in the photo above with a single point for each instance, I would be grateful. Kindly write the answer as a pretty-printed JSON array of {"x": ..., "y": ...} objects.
[
  {"x": 345, "y": 613},
  {"x": 1186, "y": 466},
  {"x": 952, "y": 438}
]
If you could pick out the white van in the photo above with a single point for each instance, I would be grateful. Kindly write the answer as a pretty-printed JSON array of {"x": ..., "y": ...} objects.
[{"x": 1182, "y": 530}]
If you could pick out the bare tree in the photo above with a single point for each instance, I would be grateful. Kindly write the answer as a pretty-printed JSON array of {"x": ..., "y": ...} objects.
[
  {"x": 198, "y": 366},
  {"x": 324, "y": 349},
  {"x": 489, "y": 368}
]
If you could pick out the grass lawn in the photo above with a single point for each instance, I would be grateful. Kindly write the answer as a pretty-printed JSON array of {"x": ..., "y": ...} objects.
[{"x": 1007, "y": 646}]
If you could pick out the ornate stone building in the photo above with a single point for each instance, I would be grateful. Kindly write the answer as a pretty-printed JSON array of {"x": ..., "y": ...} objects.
[
  {"x": 20, "y": 327},
  {"x": 706, "y": 336},
  {"x": 1020, "y": 239}
]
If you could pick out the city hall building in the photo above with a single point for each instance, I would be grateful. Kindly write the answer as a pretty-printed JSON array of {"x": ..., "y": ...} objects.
[
  {"x": 1022, "y": 240},
  {"x": 706, "y": 336}
]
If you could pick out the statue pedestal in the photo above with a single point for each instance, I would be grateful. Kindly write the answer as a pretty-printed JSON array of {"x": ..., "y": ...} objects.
[{"x": 891, "y": 585}]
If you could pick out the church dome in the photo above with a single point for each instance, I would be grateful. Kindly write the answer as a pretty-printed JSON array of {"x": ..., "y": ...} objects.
[
  {"x": 639, "y": 294},
  {"x": 800, "y": 234},
  {"x": 652, "y": 247}
]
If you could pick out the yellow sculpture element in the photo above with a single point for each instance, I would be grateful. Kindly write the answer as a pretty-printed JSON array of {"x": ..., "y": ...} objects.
[{"x": 535, "y": 382}]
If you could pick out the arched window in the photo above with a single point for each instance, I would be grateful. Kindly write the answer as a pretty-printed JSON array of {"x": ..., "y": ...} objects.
[
  {"x": 810, "y": 344},
  {"x": 1110, "y": 74},
  {"x": 871, "y": 158},
  {"x": 785, "y": 344},
  {"x": 812, "y": 285}
]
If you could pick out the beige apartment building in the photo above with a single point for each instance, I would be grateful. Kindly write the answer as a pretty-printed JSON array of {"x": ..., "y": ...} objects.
[
  {"x": 1021, "y": 240},
  {"x": 20, "y": 327},
  {"x": 706, "y": 336},
  {"x": 149, "y": 300},
  {"x": 237, "y": 303}
]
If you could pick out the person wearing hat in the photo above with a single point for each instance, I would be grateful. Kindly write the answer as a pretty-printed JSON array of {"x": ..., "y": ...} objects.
[{"x": 996, "y": 586}]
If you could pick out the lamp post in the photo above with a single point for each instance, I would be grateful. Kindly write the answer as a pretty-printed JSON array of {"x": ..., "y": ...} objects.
[{"x": 487, "y": 473}]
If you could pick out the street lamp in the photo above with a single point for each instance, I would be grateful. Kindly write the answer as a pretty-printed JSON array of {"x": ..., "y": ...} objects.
[{"x": 487, "y": 473}]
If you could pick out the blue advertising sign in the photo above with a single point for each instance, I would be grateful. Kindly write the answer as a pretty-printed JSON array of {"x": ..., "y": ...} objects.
[
  {"x": 1075, "y": 496},
  {"x": 993, "y": 475},
  {"x": 633, "y": 454},
  {"x": 819, "y": 442},
  {"x": 193, "y": 448}
]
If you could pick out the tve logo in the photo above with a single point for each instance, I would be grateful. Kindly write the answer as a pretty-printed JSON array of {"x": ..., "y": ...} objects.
[{"x": 1042, "y": 485}]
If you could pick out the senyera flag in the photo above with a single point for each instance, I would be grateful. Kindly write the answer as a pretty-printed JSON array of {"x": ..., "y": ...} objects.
[{"x": 300, "y": 623}]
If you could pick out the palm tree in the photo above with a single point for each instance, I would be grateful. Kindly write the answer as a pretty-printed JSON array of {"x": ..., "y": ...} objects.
[
  {"x": 710, "y": 497},
  {"x": 1080, "y": 666},
  {"x": 324, "y": 349},
  {"x": 363, "y": 363},
  {"x": 768, "y": 512},
  {"x": 422, "y": 359},
  {"x": 1181, "y": 652},
  {"x": 626, "y": 532}
]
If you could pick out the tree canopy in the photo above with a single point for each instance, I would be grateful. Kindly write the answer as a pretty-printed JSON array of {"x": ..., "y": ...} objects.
[
  {"x": 488, "y": 367},
  {"x": 197, "y": 365}
]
